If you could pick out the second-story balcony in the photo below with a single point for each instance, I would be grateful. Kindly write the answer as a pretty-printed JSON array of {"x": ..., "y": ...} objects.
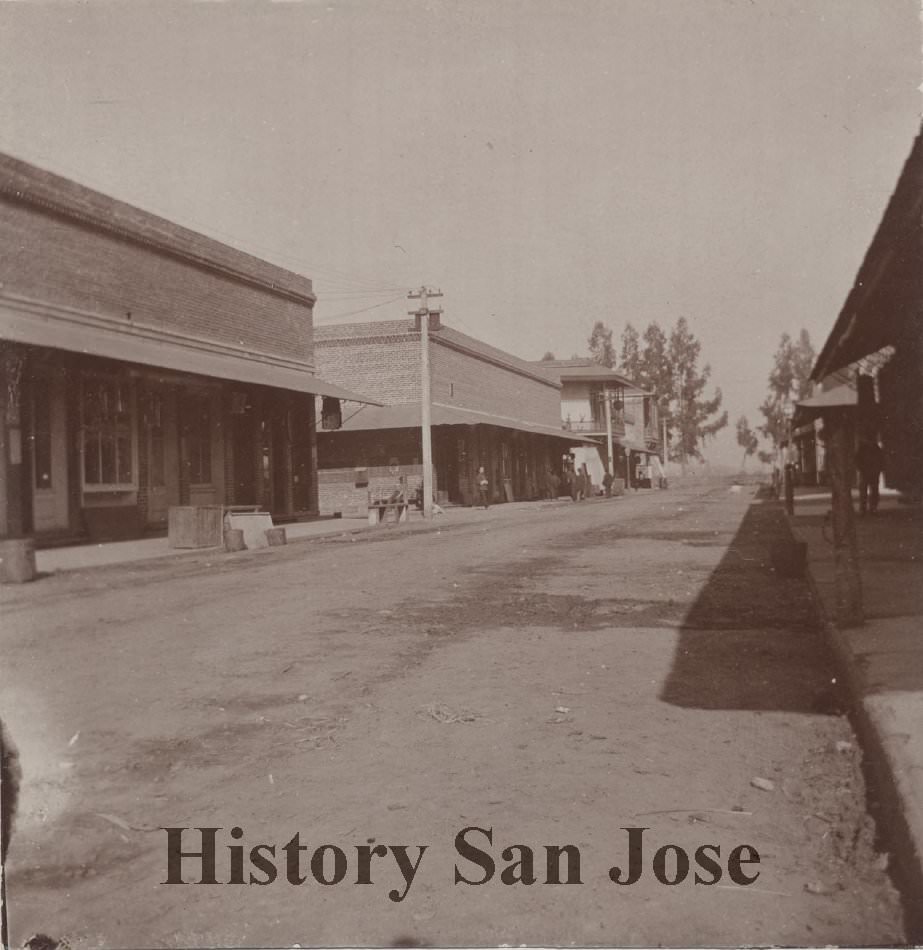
[{"x": 595, "y": 426}]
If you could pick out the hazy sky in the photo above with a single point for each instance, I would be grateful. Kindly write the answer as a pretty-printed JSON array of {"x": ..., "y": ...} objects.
[{"x": 545, "y": 163}]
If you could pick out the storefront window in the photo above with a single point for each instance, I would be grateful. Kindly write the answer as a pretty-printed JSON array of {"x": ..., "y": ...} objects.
[
  {"x": 108, "y": 434},
  {"x": 197, "y": 437}
]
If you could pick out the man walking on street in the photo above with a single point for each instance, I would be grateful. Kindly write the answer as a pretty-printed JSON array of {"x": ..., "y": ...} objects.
[{"x": 483, "y": 488}]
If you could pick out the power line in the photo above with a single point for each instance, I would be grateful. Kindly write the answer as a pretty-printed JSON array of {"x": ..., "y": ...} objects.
[
  {"x": 352, "y": 313},
  {"x": 349, "y": 294}
]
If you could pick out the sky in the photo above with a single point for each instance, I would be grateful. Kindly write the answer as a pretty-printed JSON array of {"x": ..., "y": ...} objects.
[{"x": 545, "y": 163}]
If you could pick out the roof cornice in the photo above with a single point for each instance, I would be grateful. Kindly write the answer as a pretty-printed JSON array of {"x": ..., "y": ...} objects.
[
  {"x": 460, "y": 347},
  {"x": 22, "y": 183}
]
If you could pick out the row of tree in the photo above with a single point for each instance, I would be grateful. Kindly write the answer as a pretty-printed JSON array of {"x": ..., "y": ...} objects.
[
  {"x": 789, "y": 381},
  {"x": 667, "y": 364}
]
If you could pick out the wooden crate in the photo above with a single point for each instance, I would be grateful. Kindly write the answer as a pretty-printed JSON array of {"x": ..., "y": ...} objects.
[{"x": 195, "y": 526}]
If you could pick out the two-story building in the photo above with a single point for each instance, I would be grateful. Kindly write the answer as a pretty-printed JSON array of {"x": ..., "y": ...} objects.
[
  {"x": 631, "y": 422},
  {"x": 488, "y": 408},
  {"x": 143, "y": 366}
]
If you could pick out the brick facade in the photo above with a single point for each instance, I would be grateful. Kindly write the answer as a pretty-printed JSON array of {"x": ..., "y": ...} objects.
[
  {"x": 385, "y": 366},
  {"x": 383, "y": 359},
  {"x": 461, "y": 379},
  {"x": 143, "y": 287},
  {"x": 346, "y": 490},
  {"x": 68, "y": 263}
]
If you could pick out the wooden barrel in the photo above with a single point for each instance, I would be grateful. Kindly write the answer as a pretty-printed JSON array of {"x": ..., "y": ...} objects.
[{"x": 17, "y": 560}]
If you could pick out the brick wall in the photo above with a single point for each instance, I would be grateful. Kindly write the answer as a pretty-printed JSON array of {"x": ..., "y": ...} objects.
[
  {"x": 459, "y": 379},
  {"x": 59, "y": 260},
  {"x": 384, "y": 367},
  {"x": 338, "y": 492}
]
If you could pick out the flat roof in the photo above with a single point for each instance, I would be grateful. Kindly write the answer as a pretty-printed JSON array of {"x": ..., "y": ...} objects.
[{"x": 583, "y": 368}]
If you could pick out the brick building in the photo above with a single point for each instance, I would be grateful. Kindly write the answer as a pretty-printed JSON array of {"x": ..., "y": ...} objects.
[
  {"x": 635, "y": 430},
  {"x": 143, "y": 366},
  {"x": 489, "y": 408}
]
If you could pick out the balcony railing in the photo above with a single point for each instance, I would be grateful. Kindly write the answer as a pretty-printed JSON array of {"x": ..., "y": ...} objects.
[{"x": 595, "y": 426}]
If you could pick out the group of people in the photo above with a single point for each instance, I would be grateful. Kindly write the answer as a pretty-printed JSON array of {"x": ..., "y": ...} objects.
[{"x": 578, "y": 482}]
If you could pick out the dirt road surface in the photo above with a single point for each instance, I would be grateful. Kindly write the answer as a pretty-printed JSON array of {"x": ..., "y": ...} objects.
[{"x": 555, "y": 674}]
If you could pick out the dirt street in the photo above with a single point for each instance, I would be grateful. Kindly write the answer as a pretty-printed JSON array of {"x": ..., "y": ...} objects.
[{"x": 554, "y": 674}]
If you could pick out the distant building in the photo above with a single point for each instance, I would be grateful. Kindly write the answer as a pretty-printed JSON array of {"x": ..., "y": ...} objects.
[
  {"x": 143, "y": 366},
  {"x": 489, "y": 408},
  {"x": 585, "y": 387}
]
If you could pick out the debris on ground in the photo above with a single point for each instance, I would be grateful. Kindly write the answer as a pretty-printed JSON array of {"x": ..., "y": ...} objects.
[
  {"x": 442, "y": 713},
  {"x": 764, "y": 784},
  {"x": 819, "y": 888}
]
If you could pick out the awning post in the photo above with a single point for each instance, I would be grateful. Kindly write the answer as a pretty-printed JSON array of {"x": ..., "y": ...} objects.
[{"x": 837, "y": 434}]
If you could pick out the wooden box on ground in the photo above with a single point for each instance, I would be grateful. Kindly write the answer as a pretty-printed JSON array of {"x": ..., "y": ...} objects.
[
  {"x": 195, "y": 526},
  {"x": 17, "y": 560},
  {"x": 253, "y": 524}
]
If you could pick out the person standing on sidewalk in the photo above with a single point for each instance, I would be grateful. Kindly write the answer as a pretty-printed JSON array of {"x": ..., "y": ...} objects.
[
  {"x": 583, "y": 483},
  {"x": 483, "y": 488},
  {"x": 869, "y": 462}
]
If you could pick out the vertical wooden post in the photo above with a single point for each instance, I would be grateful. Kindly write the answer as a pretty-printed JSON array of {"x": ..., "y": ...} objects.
[
  {"x": 314, "y": 490},
  {"x": 847, "y": 579},
  {"x": 12, "y": 443}
]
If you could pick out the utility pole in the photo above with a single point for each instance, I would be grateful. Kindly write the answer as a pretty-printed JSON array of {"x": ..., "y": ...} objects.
[
  {"x": 423, "y": 295},
  {"x": 611, "y": 466},
  {"x": 664, "y": 445}
]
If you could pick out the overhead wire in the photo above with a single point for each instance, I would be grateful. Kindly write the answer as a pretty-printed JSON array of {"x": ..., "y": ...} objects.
[{"x": 352, "y": 313}]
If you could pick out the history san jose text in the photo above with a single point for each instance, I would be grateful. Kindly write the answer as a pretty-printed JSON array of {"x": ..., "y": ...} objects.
[{"x": 209, "y": 855}]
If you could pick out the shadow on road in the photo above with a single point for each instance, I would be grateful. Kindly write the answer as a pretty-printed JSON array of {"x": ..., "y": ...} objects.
[{"x": 751, "y": 639}]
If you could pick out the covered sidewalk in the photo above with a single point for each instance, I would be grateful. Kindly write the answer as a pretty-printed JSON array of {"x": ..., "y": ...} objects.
[{"x": 882, "y": 659}]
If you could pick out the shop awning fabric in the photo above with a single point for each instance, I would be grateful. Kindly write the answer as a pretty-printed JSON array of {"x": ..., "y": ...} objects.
[
  {"x": 407, "y": 416},
  {"x": 80, "y": 333}
]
